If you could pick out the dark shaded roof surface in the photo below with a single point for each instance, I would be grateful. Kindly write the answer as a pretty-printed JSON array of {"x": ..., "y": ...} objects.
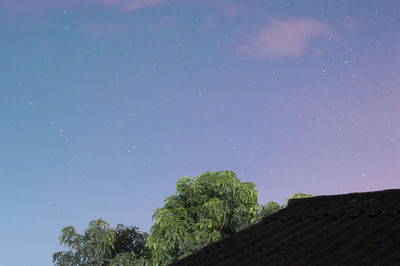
[{"x": 349, "y": 229}]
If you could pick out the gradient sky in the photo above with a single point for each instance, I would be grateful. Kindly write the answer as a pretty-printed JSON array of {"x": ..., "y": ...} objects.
[{"x": 104, "y": 104}]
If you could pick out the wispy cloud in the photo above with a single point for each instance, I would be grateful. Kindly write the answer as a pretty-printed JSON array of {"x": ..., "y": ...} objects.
[
  {"x": 34, "y": 6},
  {"x": 27, "y": 6},
  {"x": 228, "y": 8},
  {"x": 285, "y": 38},
  {"x": 130, "y": 5}
]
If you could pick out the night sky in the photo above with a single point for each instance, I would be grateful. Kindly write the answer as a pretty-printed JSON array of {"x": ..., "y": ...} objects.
[{"x": 104, "y": 104}]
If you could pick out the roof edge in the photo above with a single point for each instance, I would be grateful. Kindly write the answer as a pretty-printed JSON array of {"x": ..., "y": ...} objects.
[{"x": 387, "y": 193}]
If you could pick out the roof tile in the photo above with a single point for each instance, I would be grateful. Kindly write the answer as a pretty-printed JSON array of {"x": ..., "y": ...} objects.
[{"x": 349, "y": 229}]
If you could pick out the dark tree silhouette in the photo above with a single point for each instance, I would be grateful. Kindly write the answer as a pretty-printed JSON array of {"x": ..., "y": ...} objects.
[{"x": 130, "y": 239}]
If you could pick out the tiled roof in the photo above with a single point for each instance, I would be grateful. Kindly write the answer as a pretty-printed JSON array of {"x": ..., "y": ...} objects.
[{"x": 349, "y": 229}]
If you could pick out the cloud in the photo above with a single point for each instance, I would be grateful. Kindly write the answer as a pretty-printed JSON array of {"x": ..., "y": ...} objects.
[
  {"x": 34, "y": 6},
  {"x": 28, "y": 6},
  {"x": 130, "y": 5},
  {"x": 228, "y": 8},
  {"x": 284, "y": 38}
]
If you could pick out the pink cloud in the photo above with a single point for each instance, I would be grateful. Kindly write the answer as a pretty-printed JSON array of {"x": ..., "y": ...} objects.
[{"x": 285, "y": 38}]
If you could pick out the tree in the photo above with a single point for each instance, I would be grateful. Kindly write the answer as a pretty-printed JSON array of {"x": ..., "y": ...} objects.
[
  {"x": 272, "y": 207},
  {"x": 297, "y": 196},
  {"x": 203, "y": 210},
  {"x": 264, "y": 210},
  {"x": 129, "y": 258},
  {"x": 102, "y": 245},
  {"x": 91, "y": 248},
  {"x": 130, "y": 240}
]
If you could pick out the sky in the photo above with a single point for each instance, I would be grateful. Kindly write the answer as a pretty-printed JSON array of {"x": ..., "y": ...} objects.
[{"x": 104, "y": 104}]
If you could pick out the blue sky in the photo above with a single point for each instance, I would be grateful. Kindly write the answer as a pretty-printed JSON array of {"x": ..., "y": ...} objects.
[{"x": 104, "y": 104}]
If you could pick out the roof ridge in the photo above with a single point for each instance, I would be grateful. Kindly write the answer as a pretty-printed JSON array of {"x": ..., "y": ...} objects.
[{"x": 380, "y": 194}]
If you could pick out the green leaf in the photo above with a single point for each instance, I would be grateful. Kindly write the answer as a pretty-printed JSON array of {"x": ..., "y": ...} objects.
[{"x": 201, "y": 212}]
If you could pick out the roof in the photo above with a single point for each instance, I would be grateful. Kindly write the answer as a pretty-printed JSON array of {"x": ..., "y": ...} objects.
[{"x": 348, "y": 229}]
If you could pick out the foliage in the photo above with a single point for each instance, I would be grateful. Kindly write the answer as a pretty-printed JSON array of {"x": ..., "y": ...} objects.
[
  {"x": 297, "y": 196},
  {"x": 123, "y": 259},
  {"x": 266, "y": 209},
  {"x": 272, "y": 207},
  {"x": 129, "y": 258},
  {"x": 91, "y": 248},
  {"x": 203, "y": 210},
  {"x": 128, "y": 239},
  {"x": 101, "y": 245}
]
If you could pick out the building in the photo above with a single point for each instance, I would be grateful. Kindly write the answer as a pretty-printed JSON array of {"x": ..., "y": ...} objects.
[{"x": 349, "y": 229}]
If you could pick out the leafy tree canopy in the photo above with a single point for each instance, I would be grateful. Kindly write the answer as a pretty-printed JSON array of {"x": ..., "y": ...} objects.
[
  {"x": 203, "y": 210},
  {"x": 91, "y": 248},
  {"x": 297, "y": 196},
  {"x": 102, "y": 245},
  {"x": 265, "y": 210},
  {"x": 128, "y": 239}
]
